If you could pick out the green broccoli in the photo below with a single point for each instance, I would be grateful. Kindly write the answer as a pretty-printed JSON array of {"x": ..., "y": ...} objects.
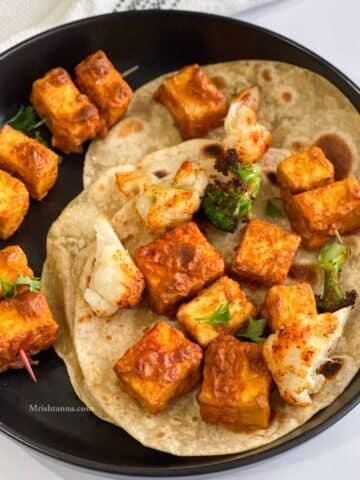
[
  {"x": 250, "y": 174},
  {"x": 331, "y": 260},
  {"x": 225, "y": 203}
]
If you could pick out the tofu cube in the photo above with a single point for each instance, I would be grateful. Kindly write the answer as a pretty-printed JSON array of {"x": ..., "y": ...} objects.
[
  {"x": 305, "y": 171},
  {"x": 193, "y": 100},
  {"x": 13, "y": 263},
  {"x": 177, "y": 265},
  {"x": 284, "y": 302},
  {"x": 70, "y": 115},
  {"x": 159, "y": 367},
  {"x": 26, "y": 323},
  {"x": 97, "y": 77},
  {"x": 317, "y": 214},
  {"x": 14, "y": 203},
  {"x": 199, "y": 315},
  {"x": 236, "y": 386},
  {"x": 31, "y": 161},
  {"x": 265, "y": 253}
]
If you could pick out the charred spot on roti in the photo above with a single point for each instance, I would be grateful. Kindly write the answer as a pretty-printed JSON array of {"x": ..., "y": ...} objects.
[
  {"x": 108, "y": 337},
  {"x": 161, "y": 173},
  {"x": 304, "y": 272},
  {"x": 212, "y": 150},
  {"x": 101, "y": 187},
  {"x": 129, "y": 127},
  {"x": 331, "y": 367},
  {"x": 287, "y": 96},
  {"x": 266, "y": 75},
  {"x": 297, "y": 145},
  {"x": 338, "y": 152},
  {"x": 195, "y": 419},
  {"x": 271, "y": 176},
  {"x": 219, "y": 81},
  {"x": 160, "y": 434}
]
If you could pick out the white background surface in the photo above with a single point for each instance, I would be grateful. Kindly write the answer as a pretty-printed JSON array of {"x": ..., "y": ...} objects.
[{"x": 330, "y": 28}]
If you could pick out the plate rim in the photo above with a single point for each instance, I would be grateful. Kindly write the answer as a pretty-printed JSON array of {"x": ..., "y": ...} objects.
[{"x": 223, "y": 463}]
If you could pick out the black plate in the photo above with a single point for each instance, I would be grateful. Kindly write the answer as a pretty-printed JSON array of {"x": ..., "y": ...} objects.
[{"x": 157, "y": 41}]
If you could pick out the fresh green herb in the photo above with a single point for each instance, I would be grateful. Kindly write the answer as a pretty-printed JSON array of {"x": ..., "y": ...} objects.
[
  {"x": 331, "y": 260},
  {"x": 239, "y": 85},
  {"x": 226, "y": 203},
  {"x": 272, "y": 210},
  {"x": 9, "y": 290},
  {"x": 24, "y": 119},
  {"x": 40, "y": 138},
  {"x": 219, "y": 317},
  {"x": 253, "y": 330}
]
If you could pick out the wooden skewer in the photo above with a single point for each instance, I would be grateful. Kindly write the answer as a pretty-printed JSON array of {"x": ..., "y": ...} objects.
[
  {"x": 129, "y": 71},
  {"x": 337, "y": 235},
  {"x": 25, "y": 360}
]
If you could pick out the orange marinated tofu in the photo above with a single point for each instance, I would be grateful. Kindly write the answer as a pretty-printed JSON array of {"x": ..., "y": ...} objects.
[
  {"x": 31, "y": 161},
  {"x": 265, "y": 253},
  {"x": 220, "y": 308},
  {"x": 236, "y": 385},
  {"x": 13, "y": 263},
  {"x": 159, "y": 367},
  {"x": 177, "y": 265},
  {"x": 97, "y": 77},
  {"x": 70, "y": 115},
  {"x": 317, "y": 214},
  {"x": 305, "y": 171},
  {"x": 193, "y": 100},
  {"x": 26, "y": 323},
  {"x": 14, "y": 203},
  {"x": 284, "y": 302}
]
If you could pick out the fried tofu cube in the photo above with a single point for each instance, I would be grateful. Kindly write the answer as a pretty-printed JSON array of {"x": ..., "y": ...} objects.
[
  {"x": 177, "y": 265},
  {"x": 317, "y": 214},
  {"x": 31, "y": 161},
  {"x": 13, "y": 263},
  {"x": 265, "y": 253},
  {"x": 70, "y": 115},
  {"x": 219, "y": 309},
  {"x": 305, "y": 171},
  {"x": 193, "y": 100},
  {"x": 26, "y": 323},
  {"x": 284, "y": 302},
  {"x": 159, "y": 367},
  {"x": 236, "y": 386},
  {"x": 14, "y": 203},
  {"x": 97, "y": 77}
]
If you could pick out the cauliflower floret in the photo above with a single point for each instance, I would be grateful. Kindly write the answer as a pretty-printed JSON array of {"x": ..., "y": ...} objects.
[
  {"x": 115, "y": 281},
  {"x": 244, "y": 133},
  {"x": 162, "y": 206},
  {"x": 248, "y": 96},
  {"x": 295, "y": 353}
]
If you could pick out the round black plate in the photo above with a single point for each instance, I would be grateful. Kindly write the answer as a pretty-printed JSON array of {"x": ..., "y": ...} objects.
[{"x": 157, "y": 41}]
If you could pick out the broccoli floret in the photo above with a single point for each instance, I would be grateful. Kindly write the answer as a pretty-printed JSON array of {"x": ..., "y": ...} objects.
[
  {"x": 250, "y": 174},
  {"x": 226, "y": 203},
  {"x": 331, "y": 260}
]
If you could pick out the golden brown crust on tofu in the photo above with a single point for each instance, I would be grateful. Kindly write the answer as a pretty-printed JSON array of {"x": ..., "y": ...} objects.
[
  {"x": 26, "y": 323},
  {"x": 224, "y": 292},
  {"x": 13, "y": 263},
  {"x": 305, "y": 171},
  {"x": 14, "y": 203},
  {"x": 236, "y": 386},
  {"x": 31, "y": 161},
  {"x": 265, "y": 253},
  {"x": 284, "y": 302},
  {"x": 159, "y": 367},
  {"x": 193, "y": 100},
  {"x": 70, "y": 115},
  {"x": 97, "y": 77},
  {"x": 177, "y": 265},
  {"x": 317, "y": 214}
]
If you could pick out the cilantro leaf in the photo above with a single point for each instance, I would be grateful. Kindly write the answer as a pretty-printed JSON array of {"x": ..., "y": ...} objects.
[
  {"x": 239, "y": 85},
  {"x": 253, "y": 330},
  {"x": 220, "y": 316},
  {"x": 24, "y": 119},
  {"x": 9, "y": 290},
  {"x": 273, "y": 211},
  {"x": 40, "y": 138}
]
